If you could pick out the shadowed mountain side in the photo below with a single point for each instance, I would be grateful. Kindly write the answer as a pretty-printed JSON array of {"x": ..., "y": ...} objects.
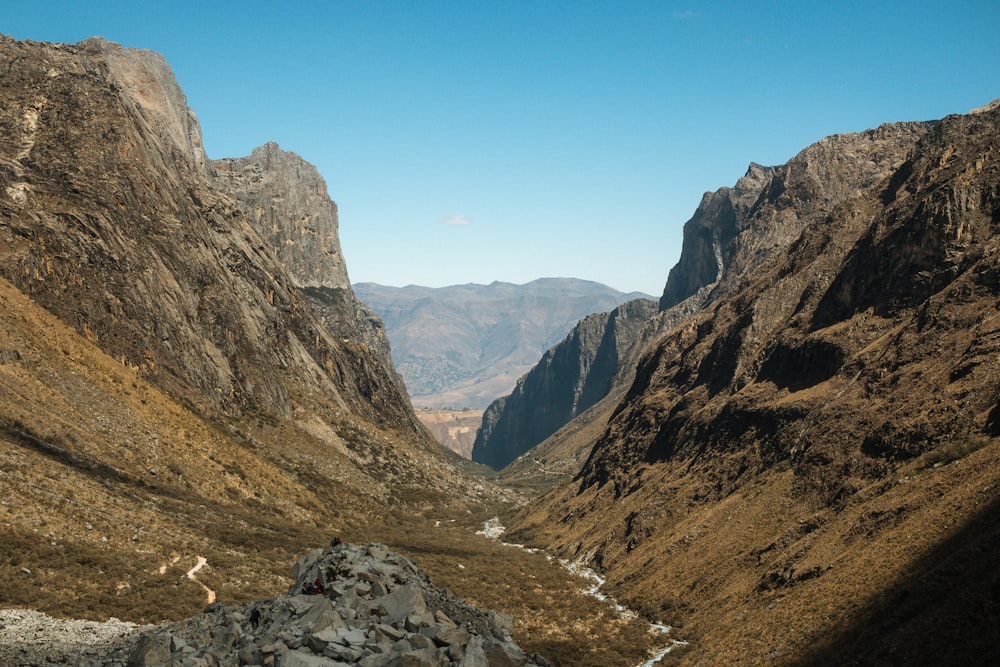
[
  {"x": 826, "y": 419},
  {"x": 951, "y": 592},
  {"x": 561, "y": 455},
  {"x": 464, "y": 345},
  {"x": 570, "y": 377}
]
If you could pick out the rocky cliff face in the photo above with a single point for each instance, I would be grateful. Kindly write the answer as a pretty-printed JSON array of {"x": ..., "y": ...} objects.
[
  {"x": 570, "y": 378},
  {"x": 286, "y": 200},
  {"x": 166, "y": 378},
  {"x": 794, "y": 444},
  {"x": 735, "y": 230},
  {"x": 106, "y": 184}
]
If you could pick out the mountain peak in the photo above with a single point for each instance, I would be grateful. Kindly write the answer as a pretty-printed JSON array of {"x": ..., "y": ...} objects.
[{"x": 287, "y": 202}]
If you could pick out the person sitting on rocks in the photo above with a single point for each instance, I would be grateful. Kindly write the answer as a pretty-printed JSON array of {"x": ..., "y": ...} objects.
[{"x": 315, "y": 587}]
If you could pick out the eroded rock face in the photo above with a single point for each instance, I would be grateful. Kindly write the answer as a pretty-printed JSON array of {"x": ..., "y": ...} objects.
[
  {"x": 147, "y": 79},
  {"x": 571, "y": 377},
  {"x": 709, "y": 234},
  {"x": 735, "y": 230},
  {"x": 112, "y": 219},
  {"x": 350, "y": 605},
  {"x": 894, "y": 229},
  {"x": 286, "y": 200}
]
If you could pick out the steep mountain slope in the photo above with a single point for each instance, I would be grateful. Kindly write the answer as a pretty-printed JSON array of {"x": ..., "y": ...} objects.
[
  {"x": 181, "y": 415},
  {"x": 562, "y": 454},
  {"x": 100, "y": 193},
  {"x": 464, "y": 345},
  {"x": 815, "y": 450},
  {"x": 285, "y": 199},
  {"x": 571, "y": 377},
  {"x": 165, "y": 378},
  {"x": 733, "y": 231}
]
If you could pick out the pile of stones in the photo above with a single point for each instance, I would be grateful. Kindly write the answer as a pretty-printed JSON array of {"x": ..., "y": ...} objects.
[
  {"x": 350, "y": 605},
  {"x": 34, "y": 639}
]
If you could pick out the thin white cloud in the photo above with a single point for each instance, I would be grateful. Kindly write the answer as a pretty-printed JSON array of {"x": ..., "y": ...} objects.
[
  {"x": 456, "y": 220},
  {"x": 687, "y": 14}
]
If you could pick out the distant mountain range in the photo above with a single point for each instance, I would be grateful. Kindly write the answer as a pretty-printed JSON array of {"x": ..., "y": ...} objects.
[
  {"x": 463, "y": 346},
  {"x": 792, "y": 459}
]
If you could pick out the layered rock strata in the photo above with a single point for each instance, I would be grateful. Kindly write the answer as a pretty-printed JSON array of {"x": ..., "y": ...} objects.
[{"x": 285, "y": 199}]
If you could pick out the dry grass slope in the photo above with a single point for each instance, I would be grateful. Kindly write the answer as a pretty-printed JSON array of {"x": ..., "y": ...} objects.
[{"x": 110, "y": 491}]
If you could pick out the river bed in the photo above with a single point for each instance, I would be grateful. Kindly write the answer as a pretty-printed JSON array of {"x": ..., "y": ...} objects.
[{"x": 494, "y": 530}]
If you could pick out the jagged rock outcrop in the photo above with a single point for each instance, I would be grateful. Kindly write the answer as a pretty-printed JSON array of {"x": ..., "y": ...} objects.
[
  {"x": 571, "y": 377},
  {"x": 286, "y": 200},
  {"x": 105, "y": 183},
  {"x": 735, "y": 230},
  {"x": 708, "y": 236},
  {"x": 825, "y": 422},
  {"x": 350, "y": 605}
]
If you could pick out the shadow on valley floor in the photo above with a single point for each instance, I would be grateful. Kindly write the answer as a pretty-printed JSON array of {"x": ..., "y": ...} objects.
[{"x": 945, "y": 611}]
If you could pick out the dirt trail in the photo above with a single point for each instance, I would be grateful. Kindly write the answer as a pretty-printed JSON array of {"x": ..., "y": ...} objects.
[{"x": 209, "y": 593}]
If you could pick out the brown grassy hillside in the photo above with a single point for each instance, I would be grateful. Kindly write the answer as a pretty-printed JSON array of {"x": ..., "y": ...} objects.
[{"x": 815, "y": 452}]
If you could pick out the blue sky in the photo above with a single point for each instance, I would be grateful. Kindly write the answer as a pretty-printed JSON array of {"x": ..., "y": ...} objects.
[{"x": 481, "y": 141}]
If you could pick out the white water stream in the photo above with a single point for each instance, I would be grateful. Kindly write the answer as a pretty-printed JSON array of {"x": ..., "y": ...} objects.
[{"x": 493, "y": 530}]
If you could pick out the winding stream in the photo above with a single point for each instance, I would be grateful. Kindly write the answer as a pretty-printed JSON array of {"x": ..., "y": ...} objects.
[{"x": 493, "y": 530}]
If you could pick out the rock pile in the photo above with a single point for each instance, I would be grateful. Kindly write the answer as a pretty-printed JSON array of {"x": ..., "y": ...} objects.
[
  {"x": 350, "y": 605},
  {"x": 34, "y": 639}
]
